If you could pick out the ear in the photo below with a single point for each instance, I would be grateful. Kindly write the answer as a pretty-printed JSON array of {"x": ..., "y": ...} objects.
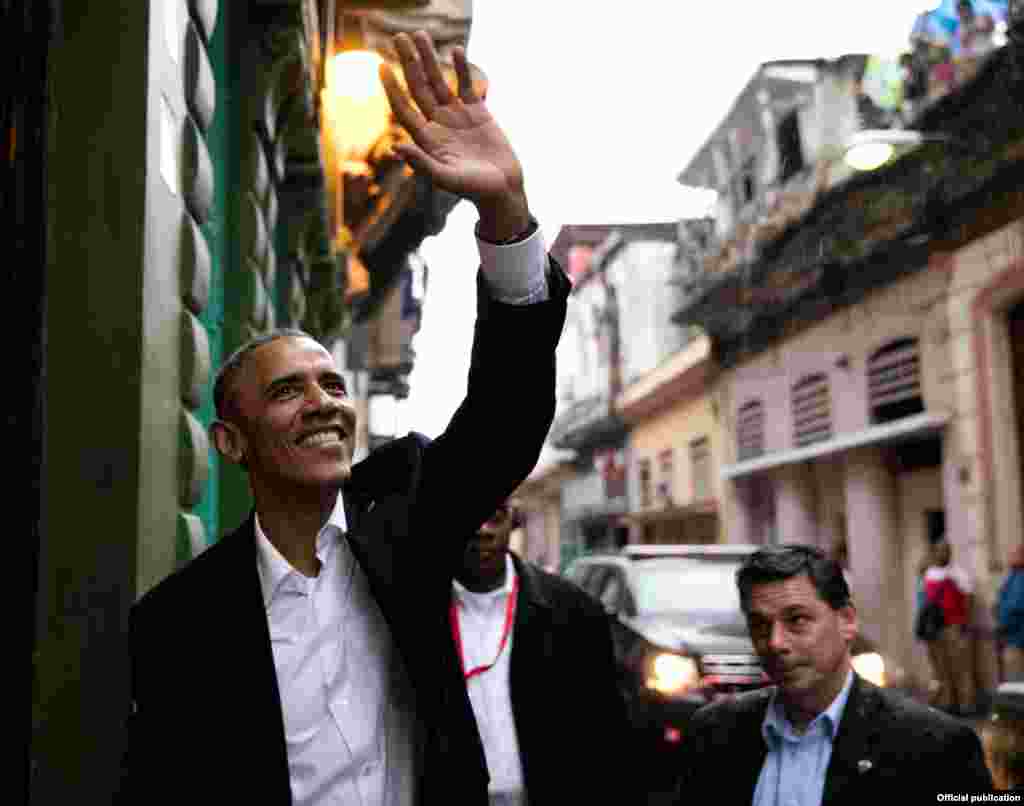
[
  {"x": 848, "y": 623},
  {"x": 229, "y": 441}
]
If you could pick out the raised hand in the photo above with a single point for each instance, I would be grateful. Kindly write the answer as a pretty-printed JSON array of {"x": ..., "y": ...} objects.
[{"x": 455, "y": 140}]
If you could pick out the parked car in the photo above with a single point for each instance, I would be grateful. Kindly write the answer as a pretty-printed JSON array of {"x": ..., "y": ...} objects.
[{"x": 681, "y": 640}]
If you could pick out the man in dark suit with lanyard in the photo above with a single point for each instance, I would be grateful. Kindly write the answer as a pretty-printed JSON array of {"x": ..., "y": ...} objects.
[
  {"x": 540, "y": 670},
  {"x": 307, "y": 657}
]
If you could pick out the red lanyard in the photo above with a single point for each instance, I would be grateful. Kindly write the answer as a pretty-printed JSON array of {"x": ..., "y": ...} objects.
[{"x": 510, "y": 610}]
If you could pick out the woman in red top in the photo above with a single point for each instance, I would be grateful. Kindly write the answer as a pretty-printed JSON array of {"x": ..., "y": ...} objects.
[{"x": 951, "y": 587}]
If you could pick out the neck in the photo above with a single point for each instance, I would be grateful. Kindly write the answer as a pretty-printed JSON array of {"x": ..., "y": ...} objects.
[
  {"x": 291, "y": 524},
  {"x": 480, "y": 583},
  {"x": 802, "y": 710}
]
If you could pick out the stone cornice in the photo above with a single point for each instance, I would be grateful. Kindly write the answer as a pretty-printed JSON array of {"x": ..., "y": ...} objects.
[{"x": 684, "y": 377}]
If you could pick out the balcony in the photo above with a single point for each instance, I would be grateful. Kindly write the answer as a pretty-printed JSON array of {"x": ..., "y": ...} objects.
[
  {"x": 586, "y": 424},
  {"x": 781, "y": 147},
  {"x": 867, "y": 229}
]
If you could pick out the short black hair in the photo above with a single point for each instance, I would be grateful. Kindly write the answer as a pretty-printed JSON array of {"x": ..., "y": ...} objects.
[
  {"x": 782, "y": 562},
  {"x": 229, "y": 369}
]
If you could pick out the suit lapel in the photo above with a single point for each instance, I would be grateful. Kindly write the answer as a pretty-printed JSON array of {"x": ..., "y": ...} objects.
[
  {"x": 532, "y": 602},
  {"x": 531, "y": 636},
  {"x": 376, "y": 520},
  {"x": 532, "y": 624},
  {"x": 531, "y": 649},
  {"x": 853, "y": 752},
  {"x": 353, "y": 509},
  {"x": 743, "y": 764},
  {"x": 244, "y": 663}
]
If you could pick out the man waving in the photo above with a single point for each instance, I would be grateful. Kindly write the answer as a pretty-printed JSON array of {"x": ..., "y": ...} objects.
[{"x": 306, "y": 658}]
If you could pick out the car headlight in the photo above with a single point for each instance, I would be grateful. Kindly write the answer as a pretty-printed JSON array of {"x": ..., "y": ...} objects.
[
  {"x": 672, "y": 674},
  {"x": 870, "y": 666}
]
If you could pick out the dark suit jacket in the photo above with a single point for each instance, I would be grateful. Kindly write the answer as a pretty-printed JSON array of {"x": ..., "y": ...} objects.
[
  {"x": 569, "y": 715},
  {"x": 886, "y": 744},
  {"x": 207, "y": 724}
]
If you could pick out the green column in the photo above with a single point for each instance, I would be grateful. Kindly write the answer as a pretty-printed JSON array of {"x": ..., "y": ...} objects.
[
  {"x": 232, "y": 495},
  {"x": 217, "y": 232}
]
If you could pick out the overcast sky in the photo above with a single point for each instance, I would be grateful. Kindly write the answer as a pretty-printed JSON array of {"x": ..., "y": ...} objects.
[{"x": 605, "y": 104}]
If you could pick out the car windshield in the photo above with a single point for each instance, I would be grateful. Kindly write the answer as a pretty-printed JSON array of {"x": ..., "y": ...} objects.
[{"x": 687, "y": 586}]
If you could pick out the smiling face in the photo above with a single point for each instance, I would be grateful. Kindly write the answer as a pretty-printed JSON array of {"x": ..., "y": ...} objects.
[
  {"x": 293, "y": 423},
  {"x": 803, "y": 643}
]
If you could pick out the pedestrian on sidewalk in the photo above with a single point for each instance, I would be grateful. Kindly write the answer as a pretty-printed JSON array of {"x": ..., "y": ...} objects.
[
  {"x": 820, "y": 734},
  {"x": 1010, "y": 617},
  {"x": 938, "y": 694},
  {"x": 950, "y": 586},
  {"x": 540, "y": 671},
  {"x": 305, "y": 659}
]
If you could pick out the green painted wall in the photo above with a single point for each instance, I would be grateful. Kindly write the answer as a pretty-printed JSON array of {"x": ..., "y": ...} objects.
[
  {"x": 233, "y": 500},
  {"x": 217, "y": 238}
]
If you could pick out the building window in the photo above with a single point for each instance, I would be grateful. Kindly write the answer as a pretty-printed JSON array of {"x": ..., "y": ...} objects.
[
  {"x": 700, "y": 464},
  {"x": 611, "y": 464},
  {"x": 644, "y": 466},
  {"x": 894, "y": 381},
  {"x": 665, "y": 471},
  {"x": 791, "y": 150},
  {"x": 750, "y": 430},
  {"x": 746, "y": 183},
  {"x": 812, "y": 410}
]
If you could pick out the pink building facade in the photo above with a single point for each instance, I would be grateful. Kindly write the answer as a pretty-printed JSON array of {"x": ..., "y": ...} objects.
[{"x": 885, "y": 425}]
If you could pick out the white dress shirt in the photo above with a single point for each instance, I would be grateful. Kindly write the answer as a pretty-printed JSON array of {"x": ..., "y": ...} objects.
[
  {"x": 347, "y": 705},
  {"x": 481, "y": 624},
  {"x": 346, "y": 700}
]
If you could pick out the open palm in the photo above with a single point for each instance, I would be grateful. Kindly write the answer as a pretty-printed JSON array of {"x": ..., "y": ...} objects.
[{"x": 455, "y": 139}]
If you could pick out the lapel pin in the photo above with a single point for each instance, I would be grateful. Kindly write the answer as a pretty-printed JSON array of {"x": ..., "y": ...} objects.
[{"x": 864, "y": 765}]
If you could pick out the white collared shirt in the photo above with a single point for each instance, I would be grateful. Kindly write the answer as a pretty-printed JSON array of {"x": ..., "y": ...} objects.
[
  {"x": 345, "y": 697},
  {"x": 516, "y": 272},
  {"x": 348, "y": 713},
  {"x": 481, "y": 623}
]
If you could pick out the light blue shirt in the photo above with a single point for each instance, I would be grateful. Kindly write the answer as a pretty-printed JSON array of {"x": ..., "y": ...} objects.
[{"x": 794, "y": 769}]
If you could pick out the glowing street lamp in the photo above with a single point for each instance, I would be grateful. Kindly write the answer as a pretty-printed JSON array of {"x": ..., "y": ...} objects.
[
  {"x": 356, "y": 113},
  {"x": 356, "y": 124},
  {"x": 870, "y": 149}
]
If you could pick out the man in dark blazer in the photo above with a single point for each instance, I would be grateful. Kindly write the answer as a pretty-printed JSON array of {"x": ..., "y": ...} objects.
[
  {"x": 307, "y": 657},
  {"x": 537, "y": 656},
  {"x": 820, "y": 734}
]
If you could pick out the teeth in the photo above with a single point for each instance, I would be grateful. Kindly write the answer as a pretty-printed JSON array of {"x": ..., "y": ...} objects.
[{"x": 321, "y": 438}]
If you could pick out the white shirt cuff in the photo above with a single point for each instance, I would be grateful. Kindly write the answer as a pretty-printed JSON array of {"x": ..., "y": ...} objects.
[{"x": 516, "y": 273}]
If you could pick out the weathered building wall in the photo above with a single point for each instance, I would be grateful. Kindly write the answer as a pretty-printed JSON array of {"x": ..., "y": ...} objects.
[{"x": 853, "y": 494}]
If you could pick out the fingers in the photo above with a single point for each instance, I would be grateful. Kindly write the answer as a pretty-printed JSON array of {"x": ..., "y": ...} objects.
[
  {"x": 424, "y": 163},
  {"x": 407, "y": 114},
  {"x": 414, "y": 155},
  {"x": 428, "y": 58},
  {"x": 466, "y": 91},
  {"x": 415, "y": 75}
]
